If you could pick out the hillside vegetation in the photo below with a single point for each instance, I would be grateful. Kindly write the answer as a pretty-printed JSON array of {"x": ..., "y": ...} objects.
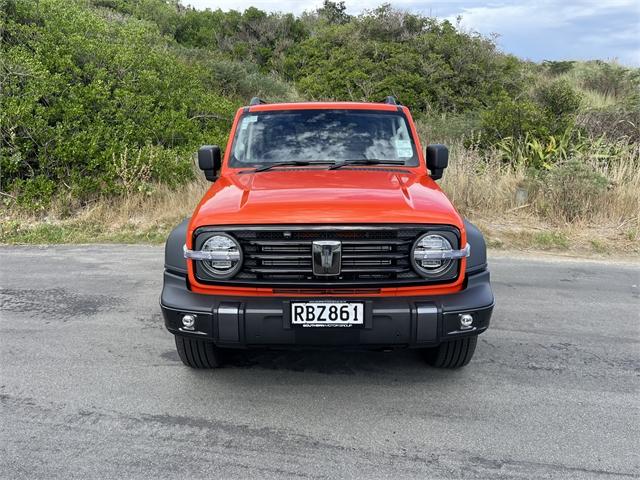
[{"x": 103, "y": 103}]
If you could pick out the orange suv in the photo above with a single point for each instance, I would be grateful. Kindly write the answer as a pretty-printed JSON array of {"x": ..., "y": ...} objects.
[{"x": 324, "y": 228}]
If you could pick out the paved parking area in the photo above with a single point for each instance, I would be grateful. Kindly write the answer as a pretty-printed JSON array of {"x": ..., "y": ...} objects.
[{"x": 91, "y": 386}]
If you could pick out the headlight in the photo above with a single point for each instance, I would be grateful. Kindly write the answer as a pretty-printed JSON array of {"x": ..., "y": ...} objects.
[
  {"x": 427, "y": 255},
  {"x": 225, "y": 256}
]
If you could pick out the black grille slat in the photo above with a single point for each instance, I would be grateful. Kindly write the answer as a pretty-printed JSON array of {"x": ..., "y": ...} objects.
[
  {"x": 374, "y": 270},
  {"x": 387, "y": 255},
  {"x": 280, "y": 271},
  {"x": 276, "y": 243},
  {"x": 375, "y": 242},
  {"x": 276, "y": 256},
  {"x": 374, "y": 249}
]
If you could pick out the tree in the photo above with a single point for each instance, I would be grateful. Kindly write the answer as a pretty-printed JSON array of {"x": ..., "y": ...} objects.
[{"x": 334, "y": 13}]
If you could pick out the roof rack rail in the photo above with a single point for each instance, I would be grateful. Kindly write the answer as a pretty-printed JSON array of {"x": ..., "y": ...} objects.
[
  {"x": 391, "y": 100},
  {"x": 256, "y": 101}
]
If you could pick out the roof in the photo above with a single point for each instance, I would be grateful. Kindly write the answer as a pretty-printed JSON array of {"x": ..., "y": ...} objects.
[{"x": 265, "y": 107}]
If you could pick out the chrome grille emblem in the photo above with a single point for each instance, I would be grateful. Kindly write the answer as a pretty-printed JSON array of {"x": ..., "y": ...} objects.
[{"x": 327, "y": 257}]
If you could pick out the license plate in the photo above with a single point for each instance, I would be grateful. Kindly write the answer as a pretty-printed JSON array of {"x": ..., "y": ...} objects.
[{"x": 327, "y": 314}]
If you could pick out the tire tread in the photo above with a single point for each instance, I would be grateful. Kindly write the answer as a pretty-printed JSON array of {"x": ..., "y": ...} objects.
[
  {"x": 197, "y": 353},
  {"x": 452, "y": 354}
]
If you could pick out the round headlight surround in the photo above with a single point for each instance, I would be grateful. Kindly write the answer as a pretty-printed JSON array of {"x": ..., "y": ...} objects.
[
  {"x": 217, "y": 269},
  {"x": 440, "y": 267}
]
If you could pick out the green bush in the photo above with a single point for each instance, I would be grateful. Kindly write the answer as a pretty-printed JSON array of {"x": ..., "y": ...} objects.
[
  {"x": 252, "y": 36},
  {"x": 79, "y": 89},
  {"x": 428, "y": 65},
  {"x": 35, "y": 193},
  {"x": 550, "y": 112},
  {"x": 560, "y": 101},
  {"x": 515, "y": 119},
  {"x": 558, "y": 67}
]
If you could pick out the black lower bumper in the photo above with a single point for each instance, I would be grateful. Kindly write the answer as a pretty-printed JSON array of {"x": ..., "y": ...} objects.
[{"x": 390, "y": 322}]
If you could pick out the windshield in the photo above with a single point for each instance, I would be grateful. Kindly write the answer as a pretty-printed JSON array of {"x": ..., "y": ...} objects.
[{"x": 328, "y": 136}]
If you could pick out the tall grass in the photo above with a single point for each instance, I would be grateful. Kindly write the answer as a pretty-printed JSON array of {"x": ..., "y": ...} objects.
[
  {"x": 161, "y": 206},
  {"x": 485, "y": 184}
]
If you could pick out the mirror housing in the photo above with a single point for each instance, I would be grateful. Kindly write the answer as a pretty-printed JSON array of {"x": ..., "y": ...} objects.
[
  {"x": 210, "y": 161},
  {"x": 437, "y": 160}
]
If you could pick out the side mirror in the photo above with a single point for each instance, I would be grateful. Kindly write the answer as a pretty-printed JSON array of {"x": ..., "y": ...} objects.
[
  {"x": 209, "y": 161},
  {"x": 437, "y": 160}
]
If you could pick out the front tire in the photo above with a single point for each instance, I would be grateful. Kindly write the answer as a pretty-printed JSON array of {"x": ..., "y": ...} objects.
[
  {"x": 452, "y": 354},
  {"x": 196, "y": 353}
]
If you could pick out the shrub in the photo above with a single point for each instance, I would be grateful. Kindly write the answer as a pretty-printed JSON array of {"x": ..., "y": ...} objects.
[
  {"x": 610, "y": 79},
  {"x": 560, "y": 101},
  {"x": 555, "y": 67},
  {"x": 515, "y": 119},
  {"x": 429, "y": 65},
  {"x": 34, "y": 194},
  {"x": 572, "y": 189},
  {"x": 545, "y": 117},
  {"x": 80, "y": 89}
]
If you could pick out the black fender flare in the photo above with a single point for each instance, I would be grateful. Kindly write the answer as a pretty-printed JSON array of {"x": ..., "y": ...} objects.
[
  {"x": 477, "y": 261},
  {"x": 174, "y": 260}
]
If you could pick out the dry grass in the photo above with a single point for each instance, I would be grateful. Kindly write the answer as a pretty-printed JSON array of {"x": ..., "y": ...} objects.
[
  {"x": 161, "y": 205},
  {"x": 480, "y": 185},
  {"x": 138, "y": 217}
]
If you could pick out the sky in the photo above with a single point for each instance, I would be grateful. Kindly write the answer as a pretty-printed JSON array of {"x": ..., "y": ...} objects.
[{"x": 534, "y": 30}]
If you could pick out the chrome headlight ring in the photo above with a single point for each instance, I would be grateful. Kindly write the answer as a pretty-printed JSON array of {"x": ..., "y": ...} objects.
[
  {"x": 432, "y": 255},
  {"x": 220, "y": 256}
]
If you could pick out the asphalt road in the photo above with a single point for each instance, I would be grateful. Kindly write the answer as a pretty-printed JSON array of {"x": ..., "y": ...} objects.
[{"x": 91, "y": 386}]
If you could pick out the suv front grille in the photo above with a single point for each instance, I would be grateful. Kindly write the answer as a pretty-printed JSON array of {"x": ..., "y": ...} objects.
[{"x": 371, "y": 255}]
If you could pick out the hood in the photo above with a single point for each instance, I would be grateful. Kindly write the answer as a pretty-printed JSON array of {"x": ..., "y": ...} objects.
[{"x": 312, "y": 195}]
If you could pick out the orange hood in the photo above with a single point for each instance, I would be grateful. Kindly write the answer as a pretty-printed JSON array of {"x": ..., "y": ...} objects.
[{"x": 318, "y": 195}]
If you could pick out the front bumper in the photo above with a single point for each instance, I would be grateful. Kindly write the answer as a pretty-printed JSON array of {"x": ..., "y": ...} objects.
[{"x": 390, "y": 322}]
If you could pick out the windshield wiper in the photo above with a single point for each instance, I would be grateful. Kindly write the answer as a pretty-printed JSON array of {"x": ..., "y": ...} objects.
[
  {"x": 296, "y": 163},
  {"x": 366, "y": 161}
]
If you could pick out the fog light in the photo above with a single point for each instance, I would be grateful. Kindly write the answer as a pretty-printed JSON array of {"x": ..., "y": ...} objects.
[
  {"x": 188, "y": 321},
  {"x": 466, "y": 321}
]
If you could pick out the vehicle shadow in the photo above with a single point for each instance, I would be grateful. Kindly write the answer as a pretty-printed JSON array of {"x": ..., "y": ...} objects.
[
  {"x": 322, "y": 361},
  {"x": 406, "y": 365}
]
